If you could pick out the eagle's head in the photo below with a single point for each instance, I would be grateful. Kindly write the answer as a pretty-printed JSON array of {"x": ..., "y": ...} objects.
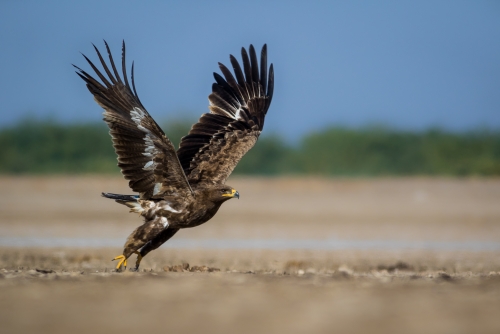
[{"x": 222, "y": 192}]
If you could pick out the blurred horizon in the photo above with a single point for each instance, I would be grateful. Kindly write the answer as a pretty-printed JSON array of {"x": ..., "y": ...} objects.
[
  {"x": 49, "y": 147},
  {"x": 407, "y": 66}
]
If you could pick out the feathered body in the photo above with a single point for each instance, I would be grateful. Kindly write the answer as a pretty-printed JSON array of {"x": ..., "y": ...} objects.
[{"x": 183, "y": 188}]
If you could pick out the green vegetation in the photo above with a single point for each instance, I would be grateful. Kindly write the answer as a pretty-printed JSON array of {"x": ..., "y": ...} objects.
[{"x": 50, "y": 148}]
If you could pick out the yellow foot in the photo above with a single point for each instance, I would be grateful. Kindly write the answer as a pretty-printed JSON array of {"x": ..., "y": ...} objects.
[
  {"x": 139, "y": 259},
  {"x": 123, "y": 261}
]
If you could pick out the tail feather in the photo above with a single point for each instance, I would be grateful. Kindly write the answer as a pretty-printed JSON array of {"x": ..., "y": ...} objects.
[
  {"x": 128, "y": 200},
  {"x": 121, "y": 197}
]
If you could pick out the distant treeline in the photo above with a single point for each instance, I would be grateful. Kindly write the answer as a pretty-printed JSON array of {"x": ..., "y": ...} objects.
[{"x": 44, "y": 147}]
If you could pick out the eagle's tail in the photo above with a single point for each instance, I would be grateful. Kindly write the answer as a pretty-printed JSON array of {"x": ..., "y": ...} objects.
[
  {"x": 133, "y": 198},
  {"x": 129, "y": 200}
]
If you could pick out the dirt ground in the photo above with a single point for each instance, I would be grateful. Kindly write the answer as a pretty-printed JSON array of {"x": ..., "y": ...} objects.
[{"x": 393, "y": 289}]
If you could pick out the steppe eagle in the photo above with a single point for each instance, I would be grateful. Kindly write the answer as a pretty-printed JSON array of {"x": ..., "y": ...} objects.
[{"x": 183, "y": 188}]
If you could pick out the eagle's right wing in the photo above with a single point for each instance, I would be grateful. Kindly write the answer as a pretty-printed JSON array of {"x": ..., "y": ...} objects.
[
  {"x": 146, "y": 156},
  {"x": 238, "y": 107}
]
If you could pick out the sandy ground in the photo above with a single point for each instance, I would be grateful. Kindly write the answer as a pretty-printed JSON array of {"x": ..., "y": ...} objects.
[{"x": 211, "y": 290}]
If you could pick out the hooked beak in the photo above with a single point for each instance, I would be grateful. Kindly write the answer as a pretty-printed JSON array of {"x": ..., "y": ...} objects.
[{"x": 233, "y": 194}]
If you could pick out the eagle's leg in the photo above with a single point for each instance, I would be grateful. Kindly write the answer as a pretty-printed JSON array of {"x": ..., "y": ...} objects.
[
  {"x": 130, "y": 248},
  {"x": 122, "y": 262},
  {"x": 138, "y": 239},
  {"x": 153, "y": 244},
  {"x": 138, "y": 261}
]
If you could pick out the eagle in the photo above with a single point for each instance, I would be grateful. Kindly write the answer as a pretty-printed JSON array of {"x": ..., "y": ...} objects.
[{"x": 181, "y": 188}]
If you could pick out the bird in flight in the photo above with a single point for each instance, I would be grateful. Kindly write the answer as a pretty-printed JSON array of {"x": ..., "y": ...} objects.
[{"x": 180, "y": 188}]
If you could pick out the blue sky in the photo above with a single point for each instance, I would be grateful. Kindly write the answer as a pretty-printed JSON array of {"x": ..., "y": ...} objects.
[{"x": 406, "y": 64}]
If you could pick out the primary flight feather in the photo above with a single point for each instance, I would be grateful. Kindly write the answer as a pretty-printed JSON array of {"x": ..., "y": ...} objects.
[{"x": 183, "y": 188}]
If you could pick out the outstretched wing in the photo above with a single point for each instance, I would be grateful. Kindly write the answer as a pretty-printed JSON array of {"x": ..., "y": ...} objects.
[
  {"x": 216, "y": 144},
  {"x": 146, "y": 156}
]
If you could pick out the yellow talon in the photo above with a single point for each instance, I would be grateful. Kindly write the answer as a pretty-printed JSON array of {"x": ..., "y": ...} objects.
[
  {"x": 139, "y": 259},
  {"x": 123, "y": 261}
]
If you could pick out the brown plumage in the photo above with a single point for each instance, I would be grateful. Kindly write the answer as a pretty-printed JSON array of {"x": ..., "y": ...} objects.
[{"x": 183, "y": 188}]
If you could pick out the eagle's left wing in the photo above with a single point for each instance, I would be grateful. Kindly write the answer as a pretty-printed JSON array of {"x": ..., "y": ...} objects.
[
  {"x": 146, "y": 156},
  {"x": 215, "y": 145}
]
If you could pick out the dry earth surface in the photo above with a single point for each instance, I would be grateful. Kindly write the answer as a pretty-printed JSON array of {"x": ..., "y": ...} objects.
[{"x": 449, "y": 289}]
